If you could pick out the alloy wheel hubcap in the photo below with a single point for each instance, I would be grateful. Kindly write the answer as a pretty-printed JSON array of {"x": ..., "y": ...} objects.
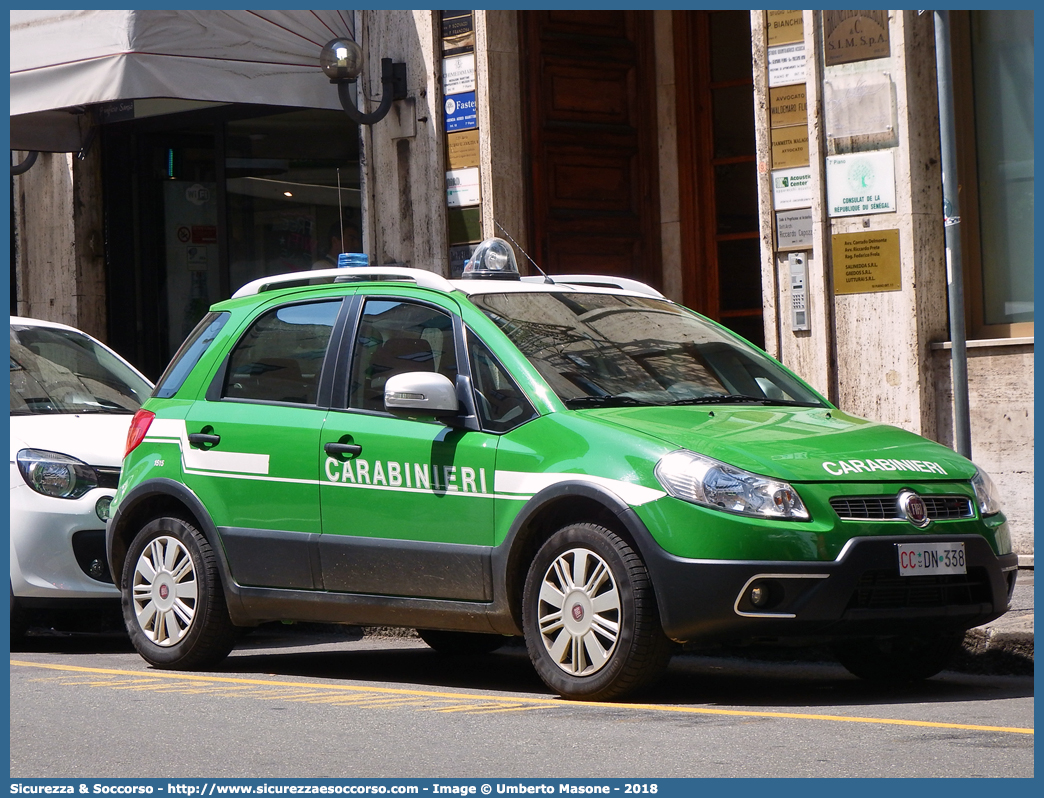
[
  {"x": 164, "y": 591},
  {"x": 579, "y": 612}
]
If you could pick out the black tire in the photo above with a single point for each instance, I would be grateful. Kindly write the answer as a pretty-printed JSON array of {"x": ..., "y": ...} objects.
[
  {"x": 191, "y": 628},
  {"x": 610, "y": 642},
  {"x": 473, "y": 644},
  {"x": 898, "y": 659},
  {"x": 19, "y": 619}
]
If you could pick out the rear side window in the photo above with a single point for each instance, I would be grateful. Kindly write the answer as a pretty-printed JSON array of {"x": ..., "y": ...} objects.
[
  {"x": 280, "y": 357},
  {"x": 189, "y": 353}
]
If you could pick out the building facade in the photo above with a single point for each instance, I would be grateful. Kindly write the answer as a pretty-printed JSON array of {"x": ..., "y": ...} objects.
[{"x": 778, "y": 171}]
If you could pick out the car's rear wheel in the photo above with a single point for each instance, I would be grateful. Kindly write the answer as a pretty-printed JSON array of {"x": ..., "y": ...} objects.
[
  {"x": 590, "y": 618},
  {"x": 470, "y": 643},
  {"x": 898, "y": 658},
  {"x": 173, "y": 604}
]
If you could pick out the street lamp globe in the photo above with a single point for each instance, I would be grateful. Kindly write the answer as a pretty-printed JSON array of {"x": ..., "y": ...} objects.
[{"x": 341, "y": 59}]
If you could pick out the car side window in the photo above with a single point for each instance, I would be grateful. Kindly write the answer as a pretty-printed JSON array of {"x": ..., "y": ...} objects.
[
  {"x": 280, "y": 357},
  {"x": 396, "y": 337},
  {"x": 500, "y": 403}
]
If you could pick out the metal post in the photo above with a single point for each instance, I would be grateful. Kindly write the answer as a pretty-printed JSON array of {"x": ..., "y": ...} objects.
[{"x": 952, "y": 221}]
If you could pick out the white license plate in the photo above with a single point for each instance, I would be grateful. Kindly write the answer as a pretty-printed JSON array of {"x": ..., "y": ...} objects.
[{"x": 920, "y": 559}]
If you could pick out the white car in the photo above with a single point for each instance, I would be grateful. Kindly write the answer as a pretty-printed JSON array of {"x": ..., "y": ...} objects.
[{"x": 72, "y": 399}]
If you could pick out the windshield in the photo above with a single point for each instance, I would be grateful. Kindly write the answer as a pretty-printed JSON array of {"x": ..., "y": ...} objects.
[
  {"x": 608, "y": 349},
  {"x": 62, "y": 371}
]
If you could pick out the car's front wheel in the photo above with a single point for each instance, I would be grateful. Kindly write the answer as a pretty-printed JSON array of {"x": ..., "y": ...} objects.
[
  {"x": 589, "y": 614},
  {"x": 899, "y": 658},
  {"x": 173, "y": 604}
]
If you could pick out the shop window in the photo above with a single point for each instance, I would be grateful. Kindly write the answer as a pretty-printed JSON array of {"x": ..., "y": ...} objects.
[
  {"x": 199, "y": 203},
  {"x": 293, "y": 192},
  {"x": 993, "y": 79}
]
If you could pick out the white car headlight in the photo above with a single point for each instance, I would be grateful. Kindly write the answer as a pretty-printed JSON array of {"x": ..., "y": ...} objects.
[
  {"x": 54, "y": 474},
  {"x": 985, "y": 493},
  {"x": 702, "y": 480}
]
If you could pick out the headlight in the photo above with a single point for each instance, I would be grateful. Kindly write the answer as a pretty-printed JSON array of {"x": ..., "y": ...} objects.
[
  {"x": 54, "y": 474},
  {"x": 985, "y": 493},
  {"x": 695, "y": 478}
]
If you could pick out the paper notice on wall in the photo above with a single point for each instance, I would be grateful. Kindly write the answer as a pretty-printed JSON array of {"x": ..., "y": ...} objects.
[{"x": 786, "y": 64}]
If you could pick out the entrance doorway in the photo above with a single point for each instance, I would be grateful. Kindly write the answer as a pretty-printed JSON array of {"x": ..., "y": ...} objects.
[
  {"x": 718, "y": 196},
  {"x": 590, "y": 102},
  {"x": 589, "y": 93}
]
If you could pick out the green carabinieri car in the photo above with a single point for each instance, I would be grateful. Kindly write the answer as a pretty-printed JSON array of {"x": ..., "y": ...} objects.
[{"x": 576, "y": 460}]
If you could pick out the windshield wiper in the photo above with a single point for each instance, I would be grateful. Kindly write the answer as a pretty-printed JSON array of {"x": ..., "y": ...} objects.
[
  {"x": 609, "y": 400},
  {"x": 736, "y": 398}
]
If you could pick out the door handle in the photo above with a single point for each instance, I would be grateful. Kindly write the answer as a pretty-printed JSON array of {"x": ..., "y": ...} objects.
[
  {"x": 200, "y": 439},
  {"x": 334, "y": 449}
]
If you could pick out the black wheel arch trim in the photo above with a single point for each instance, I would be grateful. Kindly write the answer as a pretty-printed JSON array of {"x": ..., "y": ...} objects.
[
  {"x": 116, "y": 547},
  {"x": 505, "y": 612}
]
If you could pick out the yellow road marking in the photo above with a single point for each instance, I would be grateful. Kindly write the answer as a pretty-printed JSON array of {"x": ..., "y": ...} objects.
[{"x": 369, "y": 694}]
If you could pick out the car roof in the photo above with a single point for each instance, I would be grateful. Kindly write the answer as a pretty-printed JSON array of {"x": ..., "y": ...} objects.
[
  {"x": 25, "y": 321},
  {"x": 426, "y": 279}
]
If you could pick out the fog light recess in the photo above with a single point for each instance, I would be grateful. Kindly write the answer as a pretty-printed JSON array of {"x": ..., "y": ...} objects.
[{"x": 764, "y": 594}]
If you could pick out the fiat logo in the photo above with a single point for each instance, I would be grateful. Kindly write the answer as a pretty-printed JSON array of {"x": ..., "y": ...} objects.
[
  {"x": 913, "y": 508},
  {"x": 164, "y": 591},
  {"x": 578, "y": 612}
]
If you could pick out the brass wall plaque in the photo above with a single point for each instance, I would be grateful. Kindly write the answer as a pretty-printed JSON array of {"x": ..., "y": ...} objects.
[
  {"x": 465, "y": 224},
  {"x": 789, "y": 146},
  {"x": 462, "y": 149},
  {"x": 785, "y": 27},
  {"x": 458, "y": 32},
  {"x": 787, "y": 106},
  {"x": 866, "y": 262},
  {"x": 854, "y": 36}
]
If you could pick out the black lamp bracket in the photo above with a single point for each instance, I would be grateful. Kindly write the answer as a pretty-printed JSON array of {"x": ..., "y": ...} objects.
[{"x": 393, "y": 82}]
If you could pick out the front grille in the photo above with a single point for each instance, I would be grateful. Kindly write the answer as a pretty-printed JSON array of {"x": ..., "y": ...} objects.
[
  {"x": 886, "y": 508},
  {"x": 108, "y": 477},
  {"x": 884, "y": 589},
  {"x": 945, "y": 508},
  {"x": 872, "y": 508}
]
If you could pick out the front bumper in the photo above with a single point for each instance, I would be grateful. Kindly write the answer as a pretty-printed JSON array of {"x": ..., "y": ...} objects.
[
  {"x": 47, "y": 535},
  {"x": 859, "y": 593}
]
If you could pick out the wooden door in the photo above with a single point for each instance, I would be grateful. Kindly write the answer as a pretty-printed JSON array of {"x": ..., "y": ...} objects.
[
  {"x": 718, "y": 197},
  {"x": 589, "y": 95}
]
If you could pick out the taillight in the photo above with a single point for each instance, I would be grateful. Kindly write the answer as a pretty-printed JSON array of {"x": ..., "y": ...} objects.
[{"x": 138, "y": 427}]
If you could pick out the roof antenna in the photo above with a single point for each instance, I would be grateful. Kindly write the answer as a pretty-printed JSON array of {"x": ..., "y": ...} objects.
[
  {"x": 340, "y": 207},
  {"x": 513, "y": 241}
]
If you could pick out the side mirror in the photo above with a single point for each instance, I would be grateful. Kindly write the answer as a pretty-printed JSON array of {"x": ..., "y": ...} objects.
[{"x": 421, "y": 393}]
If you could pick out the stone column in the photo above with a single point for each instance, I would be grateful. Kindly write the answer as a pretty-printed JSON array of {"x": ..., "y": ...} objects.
[
  {"x": 403, "y": 161},
  {"x": 869, "y": 351},
  {"x": 59, "y": 241},
  {"x": 498, "y": 94}
]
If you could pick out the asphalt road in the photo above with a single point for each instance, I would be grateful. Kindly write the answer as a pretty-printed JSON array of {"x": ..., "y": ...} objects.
[{"x": 298, "y": 705}]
